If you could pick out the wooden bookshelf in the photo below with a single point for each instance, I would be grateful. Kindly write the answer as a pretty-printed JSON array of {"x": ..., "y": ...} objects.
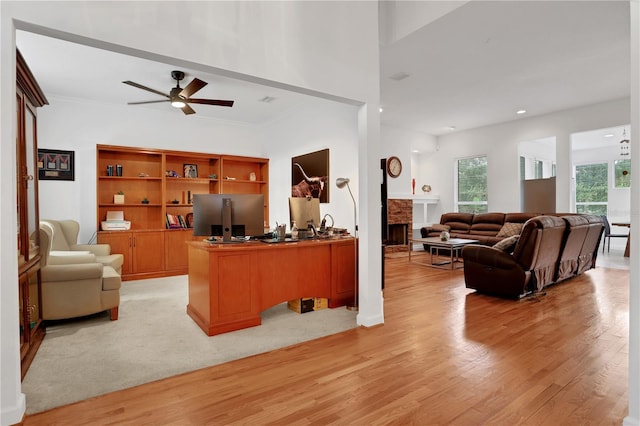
[{"x": 167, "y": 181}]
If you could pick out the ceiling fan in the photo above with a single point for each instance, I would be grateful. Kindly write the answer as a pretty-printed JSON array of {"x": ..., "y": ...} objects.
[{"x": 179, "y": 97}]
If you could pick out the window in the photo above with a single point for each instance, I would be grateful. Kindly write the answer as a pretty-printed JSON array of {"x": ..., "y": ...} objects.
[
  {"x": 472, "y": 185},
  {"x": 532, "y": 168},
  {"x": 538, "y": 168},
  {"x": 592, "y": 188},
  {"x": 622, "y": 173}
]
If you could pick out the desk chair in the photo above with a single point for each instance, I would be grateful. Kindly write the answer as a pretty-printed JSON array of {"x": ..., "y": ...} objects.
[{"x": 608, "y": 235}]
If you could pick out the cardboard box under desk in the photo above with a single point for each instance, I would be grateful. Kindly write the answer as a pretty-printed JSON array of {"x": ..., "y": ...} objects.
[{"x": 308, "y": 304}]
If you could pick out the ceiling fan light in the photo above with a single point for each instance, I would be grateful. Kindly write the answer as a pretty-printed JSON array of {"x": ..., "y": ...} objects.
[{"x": 177, "y": 103}]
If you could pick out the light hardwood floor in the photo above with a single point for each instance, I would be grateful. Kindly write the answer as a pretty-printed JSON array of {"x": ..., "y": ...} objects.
[{"x": 445, "y": 355}]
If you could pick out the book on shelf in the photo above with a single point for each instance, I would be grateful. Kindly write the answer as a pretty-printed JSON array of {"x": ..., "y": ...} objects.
[{"x": 175, "y": 221}]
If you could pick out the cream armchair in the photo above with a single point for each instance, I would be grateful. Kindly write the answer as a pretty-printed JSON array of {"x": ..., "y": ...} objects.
[
  {"x": 74, "y": 283},
  {"x": 64, "y": 239}
]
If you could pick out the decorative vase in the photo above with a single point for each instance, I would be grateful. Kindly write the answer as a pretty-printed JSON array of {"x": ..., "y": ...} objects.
[
  {"x": 444, "y": 236},
  {"x": 413, "y": 186},
  {"x": 426, "y": 188}
]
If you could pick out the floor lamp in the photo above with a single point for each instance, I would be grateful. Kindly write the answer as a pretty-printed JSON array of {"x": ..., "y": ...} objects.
[{"x": 341, "y": 183}]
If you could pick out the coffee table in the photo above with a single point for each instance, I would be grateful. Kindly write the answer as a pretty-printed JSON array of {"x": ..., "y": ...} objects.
[{"x": 454, "y": 245}]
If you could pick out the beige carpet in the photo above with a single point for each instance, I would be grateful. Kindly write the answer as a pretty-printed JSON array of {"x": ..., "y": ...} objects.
[{"x": 153, "y": 339}]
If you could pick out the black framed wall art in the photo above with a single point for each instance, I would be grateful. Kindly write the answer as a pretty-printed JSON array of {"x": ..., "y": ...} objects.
[{"x": 55, "y": 164}]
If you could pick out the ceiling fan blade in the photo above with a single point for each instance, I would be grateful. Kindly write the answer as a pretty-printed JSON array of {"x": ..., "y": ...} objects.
[
  {"x": 148, "y": 89},
  {"x": 187, "y": 109},
  {"x": 218, "y": 102},
  {"x": 147, "y": 102},
  {"x": 195, "y": 85}
]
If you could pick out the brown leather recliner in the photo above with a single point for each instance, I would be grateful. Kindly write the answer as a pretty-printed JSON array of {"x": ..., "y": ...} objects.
[
  {"x": 530, "y": 268},
  {"x": 589, "y": 252},
  {"x": 576, "y": 234}
]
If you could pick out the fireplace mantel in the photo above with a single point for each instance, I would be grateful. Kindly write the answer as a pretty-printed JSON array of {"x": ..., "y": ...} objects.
[{"x": 422, "y": 204}]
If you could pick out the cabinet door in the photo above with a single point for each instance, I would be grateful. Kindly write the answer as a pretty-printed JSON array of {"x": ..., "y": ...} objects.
[
  {"x": 28, "y": 226},
  {"x": 31, "y": 182},
  {"x": 23, "y": 299},
  {"x": 343, "y": 259},
  {"x": 31, "y": 327},
  {"x": 121, "y": 243},
  {"x": 176, "y": 255},
  {"x": 148, "y": 252}
]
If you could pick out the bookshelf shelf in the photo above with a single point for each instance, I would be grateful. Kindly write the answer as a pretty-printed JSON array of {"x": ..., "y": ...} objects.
[{"x": 162, "y": 176}]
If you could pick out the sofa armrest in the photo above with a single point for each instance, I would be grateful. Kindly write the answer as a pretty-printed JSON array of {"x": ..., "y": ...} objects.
[
  {"x": 489, "y": 256},
  {"x": 492, "y": 271},
  {"x": 97, "y": 249},
  {"x": 70, "y": 258},
  {"x": 80, "y": 271}
]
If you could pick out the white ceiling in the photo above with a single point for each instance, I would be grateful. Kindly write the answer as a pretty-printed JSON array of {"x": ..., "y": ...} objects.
[
  {"x": 73, "y": 71},
  {"x": 472, "y": 67},
  {"x": 483, "y": 61}
]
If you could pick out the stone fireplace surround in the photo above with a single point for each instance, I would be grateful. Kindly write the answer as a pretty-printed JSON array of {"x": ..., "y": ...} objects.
[{"x": 400, "y": 223}]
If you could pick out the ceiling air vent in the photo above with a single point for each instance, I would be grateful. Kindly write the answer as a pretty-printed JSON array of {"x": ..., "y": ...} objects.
[{"x": 399, "y": 76}]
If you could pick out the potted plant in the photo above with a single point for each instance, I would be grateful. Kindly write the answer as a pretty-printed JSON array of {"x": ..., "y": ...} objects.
[
  {"x": 145, "y": 200},
  {"x": 118, "y": 198}
]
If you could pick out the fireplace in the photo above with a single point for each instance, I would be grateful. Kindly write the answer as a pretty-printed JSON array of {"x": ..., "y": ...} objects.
[
  {"x": 399, "y": 225},
  {"x": 398, "y": 234}
]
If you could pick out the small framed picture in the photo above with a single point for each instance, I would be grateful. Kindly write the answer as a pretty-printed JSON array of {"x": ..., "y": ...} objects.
[
  {"x": 54, "y": 164},
  {"x": 191, "y": 170}
]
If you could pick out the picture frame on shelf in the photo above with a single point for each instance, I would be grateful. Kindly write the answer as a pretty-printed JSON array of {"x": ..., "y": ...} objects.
[
  {"x": 191, "y": 170},
  {"x": 55, "y": 164}
]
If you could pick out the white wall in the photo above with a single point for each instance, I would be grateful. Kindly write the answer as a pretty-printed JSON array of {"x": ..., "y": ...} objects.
[
  {"x": 322, "y": 125},
  {"x": 326, "y": 48},
  {"x": 80, "y": 126},
  {"x": 401, "y": 143},
  {"x": 500, "y": 144}
]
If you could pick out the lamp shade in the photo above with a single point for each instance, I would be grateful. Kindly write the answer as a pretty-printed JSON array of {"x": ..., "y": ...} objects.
[{"x": 342, "y": 182}]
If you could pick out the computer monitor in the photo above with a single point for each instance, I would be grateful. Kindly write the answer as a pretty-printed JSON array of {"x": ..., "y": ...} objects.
[
  {"x": 228, "y": 215},
  {"x": 303, "y": 210}
]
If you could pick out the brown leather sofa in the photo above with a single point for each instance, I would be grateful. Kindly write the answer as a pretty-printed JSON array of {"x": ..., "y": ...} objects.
[
  {"x": 549, "y": 249},
  {"x": 484, "y": 227}
]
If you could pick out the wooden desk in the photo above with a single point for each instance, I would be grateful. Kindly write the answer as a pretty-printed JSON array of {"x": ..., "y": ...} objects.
[
  {"x": 628, "y": 225},
  {"x": 230, "y": 284}
]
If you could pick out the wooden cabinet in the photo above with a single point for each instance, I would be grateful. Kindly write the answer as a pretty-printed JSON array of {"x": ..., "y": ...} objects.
[
  {"x": 143, "y": 251},
  {"x": 29, "y": 96},
  {"x": 242, "y": 175},
  {"x": 157, "y": 183},
  {"x": 176, "y": 254}
]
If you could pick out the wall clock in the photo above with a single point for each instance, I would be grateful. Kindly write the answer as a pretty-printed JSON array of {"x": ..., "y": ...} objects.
[{"x": 394, "y": 167}]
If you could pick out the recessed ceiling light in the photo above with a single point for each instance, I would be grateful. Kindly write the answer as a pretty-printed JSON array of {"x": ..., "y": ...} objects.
[
  {"x": 399, "y": 76},
  {"x": 521, "y": 111},
  {"x": 608, "y": 135},
  {"x": 451, "y": 128},
  {"x": 415, "y": 151},
  {"x": 268, "y": 99},
  {"x": 381, "y": 109}
]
